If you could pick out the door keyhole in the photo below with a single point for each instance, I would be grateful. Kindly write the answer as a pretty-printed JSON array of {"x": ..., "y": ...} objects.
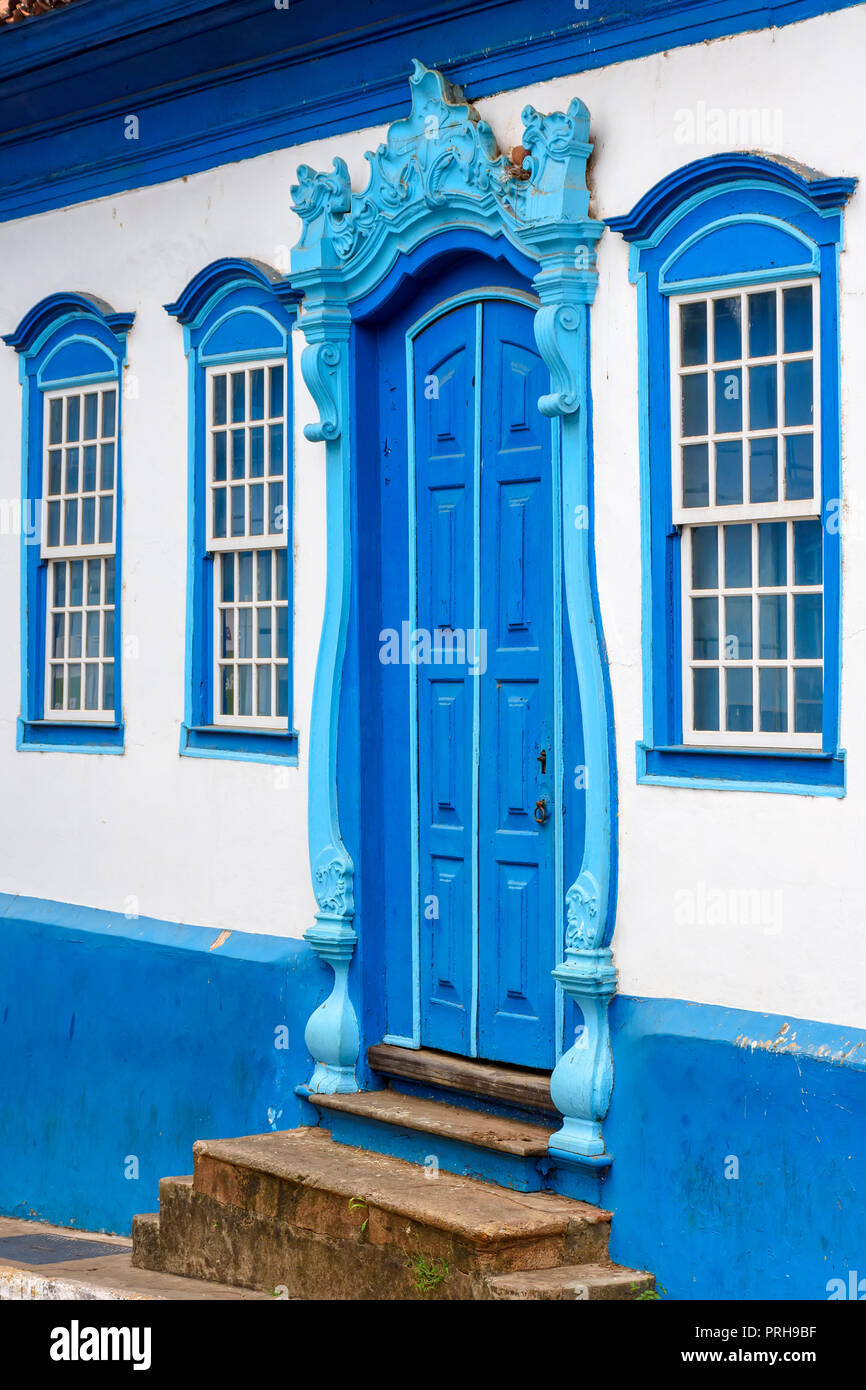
[{"x": 542, "y": 758}]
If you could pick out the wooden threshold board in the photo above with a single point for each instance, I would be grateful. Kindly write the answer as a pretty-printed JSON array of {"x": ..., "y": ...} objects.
[{"x": 489, "y": 1080}]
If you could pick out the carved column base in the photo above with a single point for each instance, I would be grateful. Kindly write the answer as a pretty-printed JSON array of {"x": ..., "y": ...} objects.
[
  {"x": 581, "y": 1084},
  {"x": 332, "y": 1034}
]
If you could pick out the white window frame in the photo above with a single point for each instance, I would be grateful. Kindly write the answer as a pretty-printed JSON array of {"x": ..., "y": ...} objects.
[{"x": 217, "y": 546}]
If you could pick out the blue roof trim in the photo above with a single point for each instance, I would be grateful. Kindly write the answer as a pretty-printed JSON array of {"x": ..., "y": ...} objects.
[
  {"x": 669, "y": 193},
  {"x": 59, "y": 306},
  {"x": 223, "y": 273}
]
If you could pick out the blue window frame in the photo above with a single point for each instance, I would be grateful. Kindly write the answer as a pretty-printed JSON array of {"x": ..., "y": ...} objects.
[
  {"x": 735, "y": 259},
  {"x": 237, "y": 318},
  {"x": 72, "y": 348}
]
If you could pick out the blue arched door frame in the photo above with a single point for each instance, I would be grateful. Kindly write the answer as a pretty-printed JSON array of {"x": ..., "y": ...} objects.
[{"x": 439, "y": 172}]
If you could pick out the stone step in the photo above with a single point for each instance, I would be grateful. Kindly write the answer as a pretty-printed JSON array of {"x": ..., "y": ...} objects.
[
  {"x": 438, "y": 1135},
  {"x": 517, "y": 1086},
  {"x": 579, "y": 1282},
  {"x": 298, "y": 1213}
]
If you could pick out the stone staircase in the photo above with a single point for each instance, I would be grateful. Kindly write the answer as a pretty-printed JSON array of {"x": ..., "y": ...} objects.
[{"x": 396, "y": 1194}]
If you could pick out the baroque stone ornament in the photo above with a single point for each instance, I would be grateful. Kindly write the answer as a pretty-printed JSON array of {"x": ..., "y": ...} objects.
[{"x": 439, "y": 171}]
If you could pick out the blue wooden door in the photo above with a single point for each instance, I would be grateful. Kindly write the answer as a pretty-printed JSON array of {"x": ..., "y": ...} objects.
[{"x": 487, "y": 742}]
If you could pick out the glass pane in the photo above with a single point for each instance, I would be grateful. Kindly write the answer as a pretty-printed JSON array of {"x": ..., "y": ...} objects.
[
  {"x": 773, "y": 627},
  {"x": 257, "y": 452},
  {"x": 694, "y": 407},
  {"x": 108, "y": 634},
  {"x": 705, "y": 629},
  {"x": 282, "y": 584},
  {"x": 696, "y": 475},
  {"x": 263, "y": 565},
  {"x": 764, "y": 469},
  {"x": 808, "y": 699},
  {"x": 92, "y": 647},
  {"x": 693, "y": 334},
  {"x": 219, "y": 400},
  {"x": 275, "y": 449},
  {"x": 762, "y": 324},
  {"x": 108, "y": 404},
  {"x": 283, "y": 692},
  {"x": 798, "y": 318},
  {"x": 257, "y": 509},
  {"x": 73, "y": 417},
  {"x": 55, "y": 421},
  {"x": 76, "y": 583},
  {"x": 238, "y": 452},
  {"x": 106, "y": 481},
  {"x": 282, "y": 632},
  {"x": 75, "y": 634},
  {"x": 738, "y": 557},
  {"x": 738, "y": 688},
  {"x": 57, "y": 687},
  {"x": 245, "y": 632},
  {"x": 106, "y": 519},
  {"x": 70, "y": 523},
  {"x": 94, "y": 575},
  {"x": 108, "y": 685},
  {"x": 219, "y": 456},
  {"x": 772, "y": 554},
  {"x": 706, "y": 698},
  {"x": 91, "y": 413},
  {"x": 228, "y": 578},
  {"x": 276, "y": 520},
  {"x": 738, "y": 628},
  {"x": 245, "y": 690},
  {"x": 238, "y": 513},
  {"x": 245, "y": 576},
  {"x": 219, "y": 512},
  {"x": 238, "y": 396},
  {"x": 263, "y": 690},
  {"x": 726, "y": 329},
  {"x": 799, "y": 478},
  {"x": 729, "y": 401},
  {"x": 71, "y": 470},
  {"x": 276, "y": 392},
  {"x": 109, "y": 579},
  {"x": 74, "y": 673},
  {"x": 774, "y": 699},
  {"x": 228, "y": 632},
  {"x": 54, "y": 461},
  {"x": 808, "y": 625},
  {"x": 798, "y": 393},
  {"x": 88, "y": 520},
  {"x": 89, "y": 483},
  {"x": 58, "y": 635},
  {"x": 53, "y": 523},
  {"x": 705, "y": 557},
  {"x": 729, "y": 472},
  {"x": 257, "y": 393},
  {"x": 59, "y": 585},
  {"x": 228, "y": 690},
  {"x": 91, "y": 686},
  {"x": 762, "y": 398},
  {"x": 263, "y": 635},
  {"x": 808, "y": 568}
]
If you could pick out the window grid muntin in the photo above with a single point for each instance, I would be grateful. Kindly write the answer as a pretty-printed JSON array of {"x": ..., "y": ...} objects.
[
  {"x": 745, "y": 510},
  {"x": 101, "y": 440},
  {"x": 756, "y": 738},
  {"x": 234, "y": 662},
  {"x": 103, "y": 661}
]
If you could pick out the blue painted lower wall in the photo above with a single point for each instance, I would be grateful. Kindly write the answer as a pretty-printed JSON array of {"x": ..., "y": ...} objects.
[
  {"x": 697, "y": 1087},
  {"x": 127, "y": 1040}
]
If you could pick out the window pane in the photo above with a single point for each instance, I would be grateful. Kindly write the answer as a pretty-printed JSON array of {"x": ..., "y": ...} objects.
[
  {"x": 799, "y": 478},
  {"x": 808, "y": 625},
  {"x": 705, "y": 557},
  {"x": 70, "y": 523},
  {"x": 693, "y": 334},
  {"x": 88, "y": 520},
  {"x": 772, "y": 554},
  {"x": 75, "y": 634},
  {"x": 89, "y": 483},
  {"x": 94, "y": 576},
  {"x": 263, "y": 635},
  {"x": 106, "y": 519},
  {"x": 696, "y": 475},
  {"x": 109, "y": 579},
  {"x": 228, "y": 690},
  {"x": 245, "y": 576},
  {"x": 705, "y": 629},
  {"x": 53, "y": 523},
  {"x": 798, "y": 318},
  {"x": 92, "y": 647},
  {"x": 808, "y": 567},
  {"x": 238, "y": 396},
  {"x": 108, "y": 635},
  {"x": 54, "y": 461},
  {"x": 257, "y": 509},
  {"x": 282, "y": 632},
  {"x": 228, "y": 578},
  {"x": 763, "y": 414},
  {"x": 219, "y": 400},
  {"x": 726, "y": 329},
  {"x": 738, "y": 628},
  {"x": 276, "y": 392},
  {"x": 91, "y": 412},
  {"x": 276, "y": 520},
  {"x": 729, "y": 472},
  {"x": 74, "y": 676},
  {"x": 108, "y": 413},
  {"x": 264, "y": 574},
  {"x": 739, "y": 712},
  {"x": 238, "y": 513},
  {"x": 73, "y": 417},
  {"x": 694, "y": 408},
  {"x": 729, "y": 401},
  {"x": 774, "y": 699},
  {"x": 106, "y": 482},
  {"x": 228, "y": 632},
  {"x": 706, "y": 698},
  {"x": 282, "y": 691},
  {"x": 71, "y": 470},
  {"x": 275, "y": 449},
  {"x": 798, "y": 393},
  {"x": 59, "y": 584},
  {"x": 738, "y": 557},
  {"x": 762, "y": 324},
  {"x": 55, "y": 421},
  {"x": 808, "y": 699},
  {"x": 257, "y": 451},
  {"x": 245, "y": 633},
  {"x": 108, "y": 685},
  {"x": 282, "y": 584},
  {"x": 257, "y": 393},
  {"x": 764, "y": 470},
  {"x": 57, "y": 687},
  {"x": 58, "y": 635},
  {"x": 91, "y": 686},
  {"x": 238, "y": 453},
  {"x": 245, "y": 690},
  {"x": 76, "y": 583},
  {"x": 773, "y": 627},
  {"x": 219, "y": 456},
  {"x": 263, "y": 692},
  {"x": 219, "y": 512}
]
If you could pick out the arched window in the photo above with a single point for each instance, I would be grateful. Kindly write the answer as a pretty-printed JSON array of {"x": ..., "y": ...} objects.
[
  {"x": 72, "y": 349},
  {"x": 735, "y": 259},
  {"x": 237, "y": 318}
]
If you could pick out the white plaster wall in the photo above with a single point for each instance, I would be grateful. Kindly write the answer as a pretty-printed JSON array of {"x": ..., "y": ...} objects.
[{"x": 224, "y": 843}]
